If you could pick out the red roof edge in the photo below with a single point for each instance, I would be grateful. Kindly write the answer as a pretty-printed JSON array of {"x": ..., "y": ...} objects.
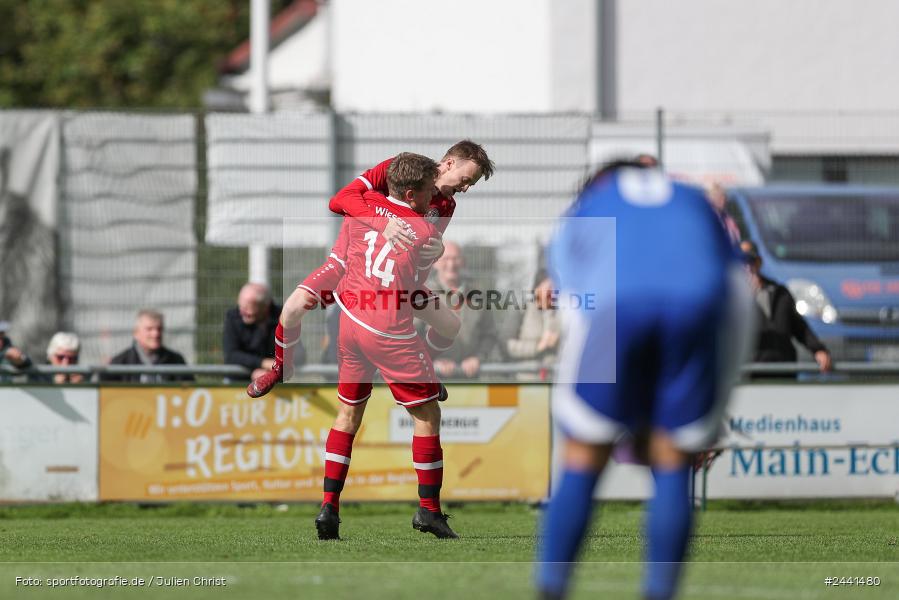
[{"x": 282, "y": 26}]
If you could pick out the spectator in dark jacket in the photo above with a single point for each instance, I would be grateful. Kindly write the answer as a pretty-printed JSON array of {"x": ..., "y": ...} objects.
[
  {"x": 147, "y": 349},
  {"x": 778, "y": 321},
  {"x": 249, "y": 332}
]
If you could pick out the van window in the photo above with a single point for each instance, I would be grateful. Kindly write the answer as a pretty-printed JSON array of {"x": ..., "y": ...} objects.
[{"x": 829, "y": 228}]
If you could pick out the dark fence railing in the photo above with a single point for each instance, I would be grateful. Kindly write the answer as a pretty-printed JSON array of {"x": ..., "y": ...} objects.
[
  {"x": 527, "y": 370},
  {"x": 96, "y": 373}
]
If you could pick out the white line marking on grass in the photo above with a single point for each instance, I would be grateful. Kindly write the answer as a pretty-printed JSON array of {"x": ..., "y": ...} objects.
[{"x": 701, "y": 590}]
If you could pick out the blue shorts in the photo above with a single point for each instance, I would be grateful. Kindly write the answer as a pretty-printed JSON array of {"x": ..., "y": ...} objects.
[{"x": 673, "y": 363}]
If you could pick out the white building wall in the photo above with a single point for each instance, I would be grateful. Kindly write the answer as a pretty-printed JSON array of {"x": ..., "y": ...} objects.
[
  {"x": 688, "y": 55},
  {"x": 464, "y": 56},
  {"x": 764, "y": 55},
  {"x": 574, "y": 60},
  {"x": 817, "y": 74}
]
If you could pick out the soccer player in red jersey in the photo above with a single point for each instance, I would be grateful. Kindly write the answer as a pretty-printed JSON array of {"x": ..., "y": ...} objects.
[
  {"x": 377, "y": 295},
  {"x": 463, "y": 165}
]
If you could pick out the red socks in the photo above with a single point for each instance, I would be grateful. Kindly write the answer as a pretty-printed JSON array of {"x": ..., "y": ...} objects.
[
  {"x": 338, "y": 449},
  {"x": 284, "y": 343},
  {"x": 427, "y": 458}
]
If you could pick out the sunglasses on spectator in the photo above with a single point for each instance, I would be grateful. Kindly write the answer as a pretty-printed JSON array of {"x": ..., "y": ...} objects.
[{"x": 62, "y": 357}]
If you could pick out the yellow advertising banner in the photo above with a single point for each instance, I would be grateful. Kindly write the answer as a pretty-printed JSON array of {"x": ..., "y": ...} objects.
[{"x": 181, "y": 443}]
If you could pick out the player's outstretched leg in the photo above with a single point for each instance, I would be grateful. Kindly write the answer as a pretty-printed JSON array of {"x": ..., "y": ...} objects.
[
  {"x": 436, "y": 345},
  {"x": 443, "y": 327},
  {"x": 437, "y": 342},
  {"x": 427, "y": 458},
  {"x": 287, "y": 335}
]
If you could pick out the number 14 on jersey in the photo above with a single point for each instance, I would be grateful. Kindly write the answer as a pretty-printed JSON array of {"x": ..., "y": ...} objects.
[{"x": 382, "y": 268}]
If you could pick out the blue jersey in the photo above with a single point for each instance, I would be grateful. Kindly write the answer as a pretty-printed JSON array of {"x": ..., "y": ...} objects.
[
  {"x": 647, "y": 278},
  {"x": 640, "y": 234}
]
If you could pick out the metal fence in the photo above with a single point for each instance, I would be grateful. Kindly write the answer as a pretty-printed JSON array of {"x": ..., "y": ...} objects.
[
  {"x": 157, "y": 210},
  {"x": 512, "y": 372}
]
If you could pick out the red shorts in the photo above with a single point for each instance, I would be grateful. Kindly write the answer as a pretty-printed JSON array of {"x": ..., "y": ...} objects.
[
  {"x": 405, "y": 366},
  {"x": 322, "y": 282}
]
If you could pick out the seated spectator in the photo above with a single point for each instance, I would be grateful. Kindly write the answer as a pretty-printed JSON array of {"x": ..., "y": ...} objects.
[
  {"x": 147, "y": 349},
  {"x": 477, "y": 336},
  {"x": 62, "y": 351},
  {"x": 778, "y": 321},
  {"x": 9, "y": 354},
  {"x": 533, "y": 333},
  {"x": 249, "y": 331}
]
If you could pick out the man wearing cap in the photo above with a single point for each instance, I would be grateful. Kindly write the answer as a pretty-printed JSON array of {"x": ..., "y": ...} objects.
[{"x": 9, "y": 354}]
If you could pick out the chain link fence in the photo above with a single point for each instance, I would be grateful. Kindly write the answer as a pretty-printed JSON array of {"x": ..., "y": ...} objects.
[{"x": 157, "y": 210}]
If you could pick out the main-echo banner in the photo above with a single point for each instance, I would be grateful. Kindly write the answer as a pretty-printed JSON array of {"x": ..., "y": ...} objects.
[
  {"x": 174, "y": 443},
  {"x": 800, "y": 440}
]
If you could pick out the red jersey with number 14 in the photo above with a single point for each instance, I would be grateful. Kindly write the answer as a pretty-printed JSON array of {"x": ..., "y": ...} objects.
[{"x": 381, "y": 283}]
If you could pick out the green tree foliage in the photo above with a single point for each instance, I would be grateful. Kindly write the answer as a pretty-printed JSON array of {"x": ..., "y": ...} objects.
[{"x": 116, "y": 53}]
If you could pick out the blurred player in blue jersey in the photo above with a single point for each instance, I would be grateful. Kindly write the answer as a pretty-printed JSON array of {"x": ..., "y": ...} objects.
[{"x": 656, "y": 313}]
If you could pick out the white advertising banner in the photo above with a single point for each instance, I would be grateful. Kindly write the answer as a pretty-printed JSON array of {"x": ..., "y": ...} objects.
[
  {"x": 48, "y": 444},
  {"x": 810, "y": 441},
  {"x": 469, "y": 425},
  {"x": 795, "y": 441}
]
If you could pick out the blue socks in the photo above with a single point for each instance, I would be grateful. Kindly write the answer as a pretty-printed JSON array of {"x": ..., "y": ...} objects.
[
  {"x": 667, "y": 530},
  {"x": 668, "y": 524},
  {"x": 564, "y": 525}
]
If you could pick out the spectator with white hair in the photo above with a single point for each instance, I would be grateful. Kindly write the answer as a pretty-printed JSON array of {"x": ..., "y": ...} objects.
[
  {"x": 249, "y": 331},
  {"x": 62, "y": 351}
]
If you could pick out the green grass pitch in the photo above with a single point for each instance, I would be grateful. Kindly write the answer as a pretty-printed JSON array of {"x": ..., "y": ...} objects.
[{"x": 753, "y": 551}]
